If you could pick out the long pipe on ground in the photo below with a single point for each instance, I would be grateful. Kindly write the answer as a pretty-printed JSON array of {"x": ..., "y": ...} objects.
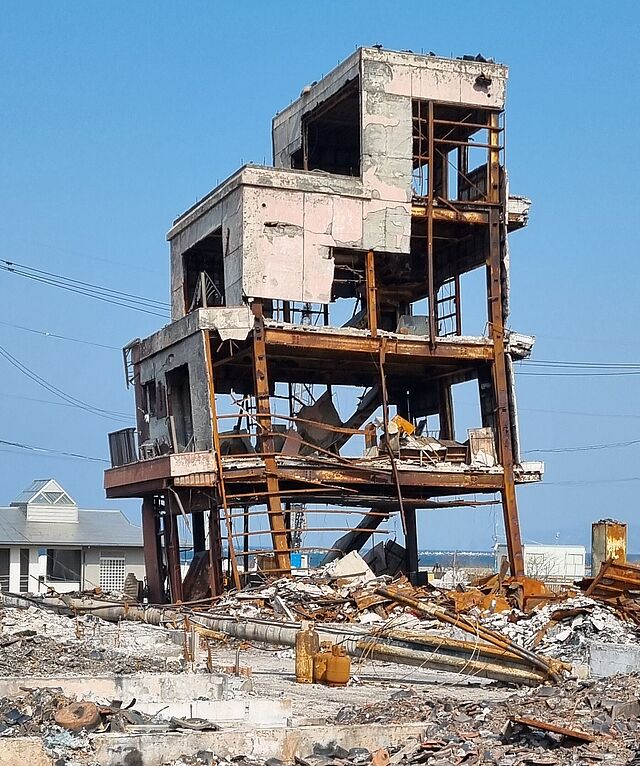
[
  {"x": 398, "y": 649},
  {"x": 552, "y": 668}
]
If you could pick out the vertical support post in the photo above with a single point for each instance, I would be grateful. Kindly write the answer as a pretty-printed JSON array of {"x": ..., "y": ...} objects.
[
  {"x": 445, "y": 411},
  {"x": 431, "y": 291},
  {"x": 172, "y": 546},
  {"x": 216, "y": 580},
  {"x": 206, "y": 339},
  {"x": 203, "y": 290},
  {"x": 372, "y": 293},
  {"x": 152, "y": 551},
  {"x": 411, "y": 543},
  {"x": 500, "y": 385},
  {"x": 267, "y": 445},
  {"x": 245, "y": 542}
]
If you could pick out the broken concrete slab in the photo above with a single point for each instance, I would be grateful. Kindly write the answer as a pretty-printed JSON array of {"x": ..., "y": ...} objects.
[{"x": 283, "y": 744}]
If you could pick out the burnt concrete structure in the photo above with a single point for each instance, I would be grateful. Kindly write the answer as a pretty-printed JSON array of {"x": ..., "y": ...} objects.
[{"x": 318, "y": 332}]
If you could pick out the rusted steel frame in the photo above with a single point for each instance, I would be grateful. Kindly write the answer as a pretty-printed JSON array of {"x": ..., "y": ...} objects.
[
  {"x": 441, "y": 214},
  {"x": 501, "y": 389},
  {"x": 269, "y": 433},
  {"x": 281, "y": 492},
  {"x": 385, "y": 416},
  {"x": 463, "y": 124},
  {"x": 551, "y": 668},
  {"x": 372, "y": 293},
  {"x": 431, "y": 291},
  {"x": 596, "y": 580},
  {"x": 294, "y": 419},
  {"x": 172, "y": 548},
  {"x": 476, "y": 482},
  {"x": 458, "y": 305},
  {"x": 367, "y": 346},
  {"x": 347, "y": 511},
  {"x": 471, "y": 144},
  {"x": 279, "y": 534},
  {"x": 152, "y": 551},
  {"x": 289, "y": 529},
  {"x": 206, "y": 340}
]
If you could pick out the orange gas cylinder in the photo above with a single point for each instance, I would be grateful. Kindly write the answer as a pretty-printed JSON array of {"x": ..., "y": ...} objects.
[
  {"x": 320, "y": 660},
  {"x": 307, "y": 643},
  {"x": 338, "y": 667}
]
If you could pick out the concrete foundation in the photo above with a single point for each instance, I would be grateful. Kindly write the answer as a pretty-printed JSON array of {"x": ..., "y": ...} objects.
[
  {"x": 285, "y": 744},
  {"x": 146, "y": 687}
]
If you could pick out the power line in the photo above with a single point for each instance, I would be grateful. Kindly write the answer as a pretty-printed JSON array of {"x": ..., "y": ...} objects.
[
  {"x": 46, "y": 450},
  {"x": 584, "y": 482},
  {"x": 586, "y": 448},
  {"x": 58, "y": 337},
  {"x": 104, "y": 294},
  {"x": 109, "y": 414},
  {"x": 570, "y": 364},
  {"x": 11, "y": 265}
]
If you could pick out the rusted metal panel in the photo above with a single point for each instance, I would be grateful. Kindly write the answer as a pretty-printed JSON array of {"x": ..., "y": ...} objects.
[{"x": 608, "y": 543}]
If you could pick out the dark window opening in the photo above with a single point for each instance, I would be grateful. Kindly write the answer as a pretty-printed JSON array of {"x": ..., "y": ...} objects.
[
  {"x": 64, "y": 565},
  {"x": 204, "y": 273},
  {"x": 179, "y": 400},
  {"x": 24, "y": 570},
  {"x": 150, "y": 397},
  {"x": 331, "y": 135},
  {"x": 4, "y": 568}
]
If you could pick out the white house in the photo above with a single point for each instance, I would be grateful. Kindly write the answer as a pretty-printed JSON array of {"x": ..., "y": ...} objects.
[
  {"x": 549, "y": 562},
  {"x": 47, "y": 541}
]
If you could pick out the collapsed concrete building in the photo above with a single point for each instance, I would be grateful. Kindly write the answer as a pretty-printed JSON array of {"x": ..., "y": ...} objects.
[{"x": 317, "y": 331}]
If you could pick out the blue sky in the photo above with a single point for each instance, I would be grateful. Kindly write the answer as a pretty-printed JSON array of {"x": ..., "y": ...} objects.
[{"x": 117, "y": 116}]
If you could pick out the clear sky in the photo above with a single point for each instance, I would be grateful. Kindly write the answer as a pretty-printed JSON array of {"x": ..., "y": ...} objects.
[{"x": 115, "y": 117}]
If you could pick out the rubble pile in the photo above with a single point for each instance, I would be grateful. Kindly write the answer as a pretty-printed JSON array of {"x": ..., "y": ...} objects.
[
  {"x": 563, "y": 630},
  {"x": 579, "y": 722},
  {"x": 34, "y": 642}
]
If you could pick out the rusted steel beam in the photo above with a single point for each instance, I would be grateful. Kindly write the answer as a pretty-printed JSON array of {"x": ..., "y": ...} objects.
[
  {"x": 206, "y": 339},
  {"x": 448, "y": 215},
  {"x": 372, "y": 293},
  {"x": 172, "y": 549},
  {"x": 499, "y": 367},
  {"x": 152, "y": 551},
  {"x": 339, "y": 345},
  {"x": 431, "y": 290},
  {"x": 533, "y": 723},
  {"x": 266, "y": 442}
]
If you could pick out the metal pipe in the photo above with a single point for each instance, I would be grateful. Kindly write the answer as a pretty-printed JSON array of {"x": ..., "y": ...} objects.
[{"x": 458, "y": 659}]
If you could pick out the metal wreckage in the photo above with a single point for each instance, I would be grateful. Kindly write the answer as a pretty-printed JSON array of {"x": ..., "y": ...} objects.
[{"x": 318, "y": 332}]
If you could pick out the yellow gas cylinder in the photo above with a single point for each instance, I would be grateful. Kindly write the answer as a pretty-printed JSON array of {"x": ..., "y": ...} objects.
[
  {"x": 338, "y": 667},
  {"x": 307, "y": 643},
  {"x": 320, "y": 660}
]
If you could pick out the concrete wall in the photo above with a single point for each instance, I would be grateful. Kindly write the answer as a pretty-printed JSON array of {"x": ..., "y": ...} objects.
[
  {"x": 188, "y": 350},
  {"x": 134, "y": 562}
]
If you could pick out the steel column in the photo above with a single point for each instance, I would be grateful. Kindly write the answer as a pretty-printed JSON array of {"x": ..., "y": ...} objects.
[
  {"x": 267, "y": 445},
  {"x": 152, "y": 551}
]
